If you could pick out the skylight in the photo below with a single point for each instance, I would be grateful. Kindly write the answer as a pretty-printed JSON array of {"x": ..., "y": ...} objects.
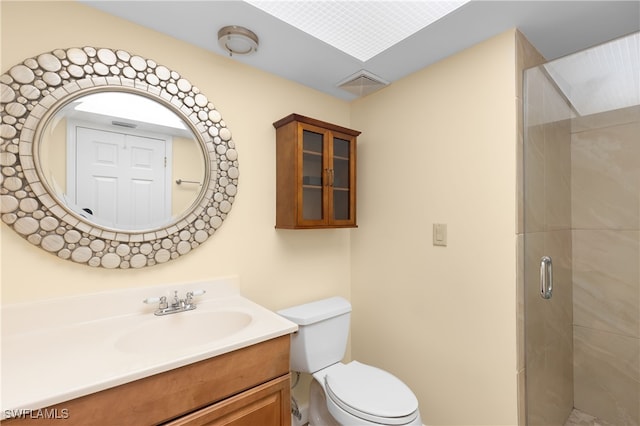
[
  {"x": 362, "y": 29},
  {"x": 603, "y": 78}
]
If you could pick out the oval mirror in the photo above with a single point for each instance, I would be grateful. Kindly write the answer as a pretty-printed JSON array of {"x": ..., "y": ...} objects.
[
  {"x": 121, "y": 161},
  {"x": 88, "y": 177}
]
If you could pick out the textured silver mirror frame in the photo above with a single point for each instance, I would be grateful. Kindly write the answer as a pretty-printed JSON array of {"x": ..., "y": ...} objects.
[{"x": 32, "y": 91}]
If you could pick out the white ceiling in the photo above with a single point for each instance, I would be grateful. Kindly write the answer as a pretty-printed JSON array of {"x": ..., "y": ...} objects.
[{"x": 556, "y": 28}]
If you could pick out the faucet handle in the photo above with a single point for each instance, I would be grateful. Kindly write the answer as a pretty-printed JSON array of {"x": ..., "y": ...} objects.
[
  {"x": 191, "y": 294},
  {"x": 162, "y": 300}
]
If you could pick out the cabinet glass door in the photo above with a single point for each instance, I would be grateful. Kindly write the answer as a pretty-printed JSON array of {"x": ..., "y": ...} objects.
[
  {"x": 312, "y": 176},
  {"x": 340, "y": 179}
]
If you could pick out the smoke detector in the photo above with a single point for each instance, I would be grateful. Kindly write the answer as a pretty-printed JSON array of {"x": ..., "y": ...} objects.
[{"x": 362, "y": 83}]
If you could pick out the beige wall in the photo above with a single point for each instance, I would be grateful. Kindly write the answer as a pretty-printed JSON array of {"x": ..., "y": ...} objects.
[
  {"x": 605, "y": 205},
  {"x": 276, "y": 268},
  {"x": 440, "y": 147},
  {"x": 437, "y": 147}
]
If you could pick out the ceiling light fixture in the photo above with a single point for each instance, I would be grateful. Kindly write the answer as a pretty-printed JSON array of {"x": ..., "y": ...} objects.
[{"x": 237, "y": 40}]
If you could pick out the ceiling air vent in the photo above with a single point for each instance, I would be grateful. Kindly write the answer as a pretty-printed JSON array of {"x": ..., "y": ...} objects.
[{"x": 362, "y": 83}]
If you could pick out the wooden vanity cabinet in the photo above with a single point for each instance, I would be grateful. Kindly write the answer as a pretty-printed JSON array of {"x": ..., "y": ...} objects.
[
  {"x": 315, "y": 174},
  {"x": 246, "y": 387},
  {"x": 266, "y": 404}
]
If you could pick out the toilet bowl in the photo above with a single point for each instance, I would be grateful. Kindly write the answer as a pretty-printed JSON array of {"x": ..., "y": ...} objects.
[
  {"x": 359, "y": 394},
  {"x": 344, "y": 394}
]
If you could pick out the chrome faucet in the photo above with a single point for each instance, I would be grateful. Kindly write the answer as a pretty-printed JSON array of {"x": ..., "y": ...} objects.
[{"x": 177, "y": 304}]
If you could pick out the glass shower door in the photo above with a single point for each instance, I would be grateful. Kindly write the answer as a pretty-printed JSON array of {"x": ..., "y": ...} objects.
[
  {"x": 547, "y": 252},
  {"x": 581, "y": 176}
]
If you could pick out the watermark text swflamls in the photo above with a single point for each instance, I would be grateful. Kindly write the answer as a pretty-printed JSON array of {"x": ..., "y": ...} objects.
[{"x": 40, "y": 413}]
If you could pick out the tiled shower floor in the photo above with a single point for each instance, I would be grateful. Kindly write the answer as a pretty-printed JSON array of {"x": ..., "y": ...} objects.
[{"x": 579, "y": 418}]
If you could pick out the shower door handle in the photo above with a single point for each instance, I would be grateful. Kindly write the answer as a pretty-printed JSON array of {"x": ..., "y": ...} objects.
[{"x": 546, "y": 277}]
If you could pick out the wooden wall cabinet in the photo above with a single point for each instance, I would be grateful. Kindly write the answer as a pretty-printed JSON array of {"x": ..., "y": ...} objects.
[
  {"x": 246, "y": 387},
  {"x": 315, "y": 174}
]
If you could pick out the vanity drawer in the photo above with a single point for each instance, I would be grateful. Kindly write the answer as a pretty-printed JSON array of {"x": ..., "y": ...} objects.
[
  {"x": 267, "y": 404},
  {"x": 169, "y": 395}
]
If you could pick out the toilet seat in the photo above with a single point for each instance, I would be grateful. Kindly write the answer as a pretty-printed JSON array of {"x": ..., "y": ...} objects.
[{"x": 370, "y": 393}]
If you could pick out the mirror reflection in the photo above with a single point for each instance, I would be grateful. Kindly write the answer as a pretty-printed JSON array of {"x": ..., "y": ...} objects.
[{"x": 122, "y": 161}]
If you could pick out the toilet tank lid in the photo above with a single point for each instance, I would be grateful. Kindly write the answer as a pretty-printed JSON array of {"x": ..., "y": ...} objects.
[{"x": 319, "y": 310}]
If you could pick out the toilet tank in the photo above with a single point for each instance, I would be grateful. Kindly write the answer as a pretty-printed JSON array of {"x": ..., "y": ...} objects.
[{"x": 323, "y": 329}]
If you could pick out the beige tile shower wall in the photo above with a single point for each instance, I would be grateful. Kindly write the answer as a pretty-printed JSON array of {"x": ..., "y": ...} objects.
[{"x": 606, "y": 249}]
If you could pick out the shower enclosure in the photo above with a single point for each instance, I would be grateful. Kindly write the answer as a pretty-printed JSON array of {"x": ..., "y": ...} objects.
[{"x": 581, "y": 180}]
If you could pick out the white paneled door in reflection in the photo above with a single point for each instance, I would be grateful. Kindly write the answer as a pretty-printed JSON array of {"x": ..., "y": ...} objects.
[{"x": 121, "y": 178}]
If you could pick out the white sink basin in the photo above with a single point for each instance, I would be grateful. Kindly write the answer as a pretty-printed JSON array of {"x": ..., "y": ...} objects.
[
  {"x": 75, "y": 346},
  {"x": 183, "y": 329}
]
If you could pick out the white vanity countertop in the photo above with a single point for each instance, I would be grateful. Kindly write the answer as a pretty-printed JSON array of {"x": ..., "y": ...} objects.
[{"x": 57, "y": 350}]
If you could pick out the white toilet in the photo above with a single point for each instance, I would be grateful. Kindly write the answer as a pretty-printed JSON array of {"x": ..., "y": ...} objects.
[{"x": 344, "y": 394}]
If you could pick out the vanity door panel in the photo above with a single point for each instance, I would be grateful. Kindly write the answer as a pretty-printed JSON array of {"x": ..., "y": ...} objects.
[{"x": 264, "y": 405}]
